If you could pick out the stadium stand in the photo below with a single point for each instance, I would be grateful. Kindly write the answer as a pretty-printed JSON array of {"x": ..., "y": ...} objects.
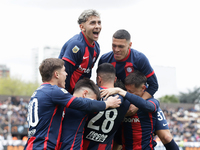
[{"x": 183, "y": 120}]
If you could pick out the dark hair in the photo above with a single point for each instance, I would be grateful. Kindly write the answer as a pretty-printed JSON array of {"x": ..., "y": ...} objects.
[
  {"x": 48, "y": 67},
  {"x": 122, "y": 34},
  {"x": 86, "y": 14},
  {"x": 87, "y": 83},
  {"x": 136, "y": 78},
  {"x": 119, "y": 84},
  {"x": 106, "y": 71}
]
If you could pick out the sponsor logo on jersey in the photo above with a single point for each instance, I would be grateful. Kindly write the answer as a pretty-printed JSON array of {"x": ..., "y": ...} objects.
[
  {"x": 64, "y": 91},
  {"x": 75, "y": 49},
  {"x": 85, "y": 70},
  {"x": 164, "y": 124},
  {"x": 135, "y": 120},
  {"x": 96, "y": 136}
]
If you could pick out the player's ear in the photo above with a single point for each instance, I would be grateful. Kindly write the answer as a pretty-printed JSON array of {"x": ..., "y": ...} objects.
[
  {"x": 85, "y": 92},
  {"x": 82, "y": 27},
  {"x": 98, "y": 79},
  {"x": 130, "y": 44},
  {"x": 115, "y": 79},
  {"x": 143, "y": 87},
  {"x": 56, "y": 74}
]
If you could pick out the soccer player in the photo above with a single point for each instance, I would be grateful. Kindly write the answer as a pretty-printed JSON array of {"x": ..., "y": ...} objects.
[
  {"x": 45, "y": 110},
  {"x": 81, "y": 51},
  {"x": 161, "y": 130},
  {"x": 137, "y": 130},
  {"x": 126, "y": 60},
  {"x": 101, "y": 126}
]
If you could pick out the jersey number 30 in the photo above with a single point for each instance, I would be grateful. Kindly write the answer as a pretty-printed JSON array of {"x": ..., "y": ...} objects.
[{"x": 33, "y": 113}]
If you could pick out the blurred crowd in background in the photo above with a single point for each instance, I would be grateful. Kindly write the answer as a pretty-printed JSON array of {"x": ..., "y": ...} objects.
[{"x": 184, "y": 124}]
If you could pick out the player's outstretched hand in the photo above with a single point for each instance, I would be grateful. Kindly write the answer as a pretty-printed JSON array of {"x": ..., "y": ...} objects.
[{"x": 113, "y": 102}]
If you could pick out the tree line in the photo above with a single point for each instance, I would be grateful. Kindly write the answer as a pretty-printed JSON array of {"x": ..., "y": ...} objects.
[
  {"x": 191, "y": 97},
  {"x": 17, "y": 87}
]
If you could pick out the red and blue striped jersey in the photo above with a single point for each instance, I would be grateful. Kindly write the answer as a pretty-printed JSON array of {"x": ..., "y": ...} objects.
[
  {"x": 46, "y": 113},
  {"x": 137, "y": 130},
  {"x": 135, "y": 60},
  {"x": 102, "y": 126},
  {"x": 73, "y": 129},
  {"x": 80, "y": 57}
]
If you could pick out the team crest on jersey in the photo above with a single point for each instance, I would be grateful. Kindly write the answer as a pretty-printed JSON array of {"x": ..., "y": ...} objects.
[
  {"x": 129, "y": 69},
  {"x": 75, "y": 49},
  {"x": 64, "y": 91}
]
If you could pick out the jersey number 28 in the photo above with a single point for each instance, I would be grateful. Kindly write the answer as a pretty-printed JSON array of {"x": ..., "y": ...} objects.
[{"x": 108, "y": 119}]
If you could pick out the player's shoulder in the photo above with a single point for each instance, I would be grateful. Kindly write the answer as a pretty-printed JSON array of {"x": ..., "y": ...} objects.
[
  {"x": 137, "y": 53},
  {"x": 76, "y": 40},
  {"x": 76, "y": 43},
  {"x": 45, "y": 88},
  {"x": 105, "y": 57},
  {"x": 58, "y": 91},
  {"x": 138, "y": 57}
]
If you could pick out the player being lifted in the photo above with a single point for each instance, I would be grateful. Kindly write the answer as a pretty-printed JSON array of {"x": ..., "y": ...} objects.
[{"x": 82, "y": 50}]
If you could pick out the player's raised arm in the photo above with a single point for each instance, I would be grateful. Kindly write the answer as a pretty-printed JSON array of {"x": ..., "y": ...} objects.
[{"x": 139, "y": 102}]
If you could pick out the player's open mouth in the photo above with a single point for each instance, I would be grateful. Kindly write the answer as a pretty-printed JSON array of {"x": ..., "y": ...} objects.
[{"x": 96, "y": 34}]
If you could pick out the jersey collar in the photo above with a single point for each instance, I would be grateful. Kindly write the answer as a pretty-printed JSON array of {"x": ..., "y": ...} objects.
[
  {"x": 88, "y": 41},
  {"x": 103, "y": 87},
  {"x": 45, "y": 83}
]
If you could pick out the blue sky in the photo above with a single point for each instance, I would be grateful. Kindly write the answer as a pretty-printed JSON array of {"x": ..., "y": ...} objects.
[{"x": 167, "y": 31}]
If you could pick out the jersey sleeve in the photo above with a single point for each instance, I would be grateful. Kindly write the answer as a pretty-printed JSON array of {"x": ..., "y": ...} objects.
[
  {"x": 145, "y": 67},
  {"x": 72, "y": 52},
  {"x": 145, "y": 105},
  {"x": 63, "y": 97},
  {"x": 87, "y": 104},
  {"x": 69, "y": 68},
  {"x": 161, "y": 123}
]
